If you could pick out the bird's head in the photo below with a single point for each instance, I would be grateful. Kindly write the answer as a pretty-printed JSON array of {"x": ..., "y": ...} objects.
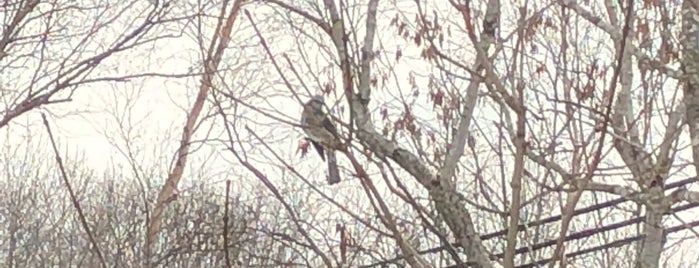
[{"x": 317, "y": 102}]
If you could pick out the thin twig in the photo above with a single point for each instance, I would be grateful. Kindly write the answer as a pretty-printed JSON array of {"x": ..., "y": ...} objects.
[
  {"x": 225, "y": 225},
  {"x": 73, "y": 198}
]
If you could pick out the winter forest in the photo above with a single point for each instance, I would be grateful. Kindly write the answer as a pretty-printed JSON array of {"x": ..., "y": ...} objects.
[{"x": 470, "y": 133}]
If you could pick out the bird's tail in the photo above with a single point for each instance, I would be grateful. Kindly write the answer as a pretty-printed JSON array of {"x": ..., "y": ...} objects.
[{"x": 333, "y": 171}]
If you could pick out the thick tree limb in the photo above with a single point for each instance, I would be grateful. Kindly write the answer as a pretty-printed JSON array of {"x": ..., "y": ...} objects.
[
  {"x": 690, "y": 65},
  {"x": 447, "y": 201}
]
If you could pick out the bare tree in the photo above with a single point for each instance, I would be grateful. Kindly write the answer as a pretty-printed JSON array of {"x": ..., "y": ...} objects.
[
  {"x": 554, "y": 116},
  {"x": 473, "y": 133},
  {"x": 44, "y": 60}
]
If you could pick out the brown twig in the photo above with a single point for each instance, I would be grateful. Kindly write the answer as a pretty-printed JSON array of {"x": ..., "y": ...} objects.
[
  {"x": 277, "y": 194},
  {"x": 225, "y": 225},
  {"x": 73, "y": 198},
  {"x": 383, "y": 211}
]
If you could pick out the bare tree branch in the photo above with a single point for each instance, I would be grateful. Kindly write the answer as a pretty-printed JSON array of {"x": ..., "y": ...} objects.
[
  {"x": 218, "y": 45},
  {"x": 73, "y": 197},
  {"x": 572, "y": 201}
]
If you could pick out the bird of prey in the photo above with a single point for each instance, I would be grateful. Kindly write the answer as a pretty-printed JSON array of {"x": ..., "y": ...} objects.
[{"x": 321, "y": 132}]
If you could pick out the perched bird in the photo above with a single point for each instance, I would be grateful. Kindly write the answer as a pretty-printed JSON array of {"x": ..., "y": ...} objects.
[{"x": 322, "y": 134}]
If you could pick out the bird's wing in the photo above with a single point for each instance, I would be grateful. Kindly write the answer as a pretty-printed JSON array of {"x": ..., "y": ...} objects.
[
  {"x": 327, "y": 124},
  {"x": 319, "y": 148}
]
